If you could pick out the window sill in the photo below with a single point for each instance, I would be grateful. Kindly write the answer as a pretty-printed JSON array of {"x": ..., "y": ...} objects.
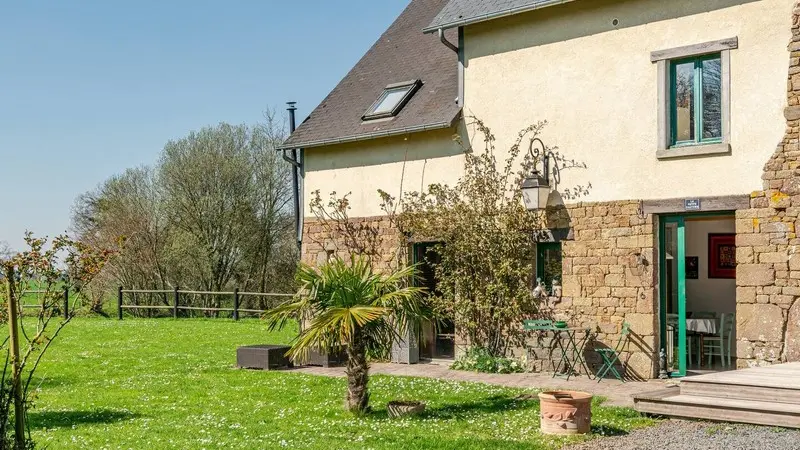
[{"x": 689, "y": 151}]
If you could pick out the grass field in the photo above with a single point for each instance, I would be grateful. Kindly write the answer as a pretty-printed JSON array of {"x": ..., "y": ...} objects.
[{"x": 162, "y": 383}]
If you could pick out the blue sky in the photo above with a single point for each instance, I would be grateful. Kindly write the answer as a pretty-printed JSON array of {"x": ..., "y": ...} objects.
[{"x": 90, "y": 88}]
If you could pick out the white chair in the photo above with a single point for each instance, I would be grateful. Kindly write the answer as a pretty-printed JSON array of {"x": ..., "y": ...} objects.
[{"x": 720, "y": 343}]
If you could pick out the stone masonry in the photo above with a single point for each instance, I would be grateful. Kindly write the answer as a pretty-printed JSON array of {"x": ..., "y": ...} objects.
[
  {"x": 768, "y": 248},
  {"x": 319, "y": 243},
  {"x": 610, "y": 275}
]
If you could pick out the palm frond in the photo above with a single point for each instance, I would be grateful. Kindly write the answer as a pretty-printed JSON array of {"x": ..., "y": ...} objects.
[{"x": 346, "y": 298}]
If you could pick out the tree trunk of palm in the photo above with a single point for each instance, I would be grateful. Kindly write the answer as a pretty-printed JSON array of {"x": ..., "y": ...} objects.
[{"x": 357, "y": 376}]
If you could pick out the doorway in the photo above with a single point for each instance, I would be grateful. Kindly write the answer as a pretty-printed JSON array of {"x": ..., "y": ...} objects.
[
  {"x": 437, "y": 341},
  {"x": 697, "y": 291}
]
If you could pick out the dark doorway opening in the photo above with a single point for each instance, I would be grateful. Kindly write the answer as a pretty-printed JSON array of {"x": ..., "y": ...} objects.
[{"x": 437, "y": 341}]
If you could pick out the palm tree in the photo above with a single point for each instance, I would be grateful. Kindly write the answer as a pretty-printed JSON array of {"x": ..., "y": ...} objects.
[{"x": 352, "y": 308}]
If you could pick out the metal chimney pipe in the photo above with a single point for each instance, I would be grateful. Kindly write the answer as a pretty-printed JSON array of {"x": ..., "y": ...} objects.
[
  {"x": 296, "y": 166},
  {"x": 292, "y": 108}
]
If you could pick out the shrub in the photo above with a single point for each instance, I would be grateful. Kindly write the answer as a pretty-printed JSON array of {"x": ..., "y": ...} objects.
[{"x": 479, "y": 359}]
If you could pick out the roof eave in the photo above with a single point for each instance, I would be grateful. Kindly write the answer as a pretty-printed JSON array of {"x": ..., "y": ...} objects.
[
  {"x": 492, "y": 16},
  {"x": 368, "y": 136}
]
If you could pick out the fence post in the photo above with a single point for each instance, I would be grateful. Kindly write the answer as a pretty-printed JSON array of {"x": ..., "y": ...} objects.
[
  {"x": 176, "y": 296},
  {"x": 236, "y": 303},
  {"x": 119, "y": 303},
  {"x": 66, "y": 303}
]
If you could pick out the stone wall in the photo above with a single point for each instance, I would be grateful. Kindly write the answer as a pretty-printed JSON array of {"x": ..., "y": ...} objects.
[
  {"x": 610, "y": 272},
  {"x": 768, "y": 261},
  {"x": 319, "y": 243},
  {"x": 609, "y": 275}
]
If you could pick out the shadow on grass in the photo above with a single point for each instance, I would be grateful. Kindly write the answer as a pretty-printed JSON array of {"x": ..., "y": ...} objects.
[
  {"x": 60, "y": 419},
  {"x": 462, "y": 410}
]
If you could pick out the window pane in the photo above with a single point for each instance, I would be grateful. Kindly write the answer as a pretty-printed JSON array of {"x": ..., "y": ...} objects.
[
  {"x": 684, "y": 102},
  {"x": 390, "y": 99},
  {"x": 712, "y": 98},
  {"x": 550, "y": 260}
]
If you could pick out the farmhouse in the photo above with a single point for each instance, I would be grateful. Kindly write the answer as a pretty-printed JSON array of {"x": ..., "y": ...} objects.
[{"x": 676, "y": 109}]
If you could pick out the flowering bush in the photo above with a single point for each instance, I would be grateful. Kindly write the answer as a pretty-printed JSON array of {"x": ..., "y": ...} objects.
[
  {"x": 479, "y": 359},
  {"x": 39, "y": 274}
]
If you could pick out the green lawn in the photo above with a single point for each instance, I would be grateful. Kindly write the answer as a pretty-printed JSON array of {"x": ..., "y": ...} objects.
[{"x": 162, "y": 383}]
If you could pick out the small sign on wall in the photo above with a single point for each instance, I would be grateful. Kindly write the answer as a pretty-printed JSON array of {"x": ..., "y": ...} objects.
[{"x": 691, "y": 204}]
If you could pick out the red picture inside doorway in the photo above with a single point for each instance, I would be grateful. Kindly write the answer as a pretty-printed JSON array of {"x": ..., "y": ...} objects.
[{"x": 721, "y": 255}]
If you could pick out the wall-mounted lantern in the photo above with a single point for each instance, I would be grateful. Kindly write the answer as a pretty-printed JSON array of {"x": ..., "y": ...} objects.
[
  {"x": 535, "y": 192},
  {"x": 536, "y": 188}
]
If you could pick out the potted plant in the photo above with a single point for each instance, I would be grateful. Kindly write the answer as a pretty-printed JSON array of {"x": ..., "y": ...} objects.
[{"x": 565, "y": 412}]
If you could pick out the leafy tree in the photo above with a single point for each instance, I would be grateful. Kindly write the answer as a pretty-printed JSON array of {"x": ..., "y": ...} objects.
[
  {"x": 213, "y": 214},
  {"x": 487, "y": 239},
  {"x": 350, "y": 306},
  {"x": 130, "y": 205}
]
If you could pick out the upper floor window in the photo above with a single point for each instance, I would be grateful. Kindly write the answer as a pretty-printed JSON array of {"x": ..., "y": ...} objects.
[
  {"x": 392, "y": 100},
  {"x": 696, "y": 108},
  {"x": 694, "y": 98}
]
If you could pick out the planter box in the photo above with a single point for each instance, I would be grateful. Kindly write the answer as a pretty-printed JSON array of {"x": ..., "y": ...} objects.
[
  {"x": 565, "y": 412},
  {"x": 320, "y": 358},
  {"x": 264, "y": 357},
  {"x": 400, "y": 408}
]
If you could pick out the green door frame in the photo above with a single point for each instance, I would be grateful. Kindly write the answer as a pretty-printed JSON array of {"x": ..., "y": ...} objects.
[
  {"x": 681, "y": 263},
  {"x": 680, "y": 220}
]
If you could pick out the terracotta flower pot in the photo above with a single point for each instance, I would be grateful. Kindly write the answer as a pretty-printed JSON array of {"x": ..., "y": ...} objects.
[
  {"x": 400, "y": 408},
  {"x": 565, "y": 412}
]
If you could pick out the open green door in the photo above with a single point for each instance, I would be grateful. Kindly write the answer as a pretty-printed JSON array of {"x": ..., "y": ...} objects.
[{"x": 672, "y": 251}]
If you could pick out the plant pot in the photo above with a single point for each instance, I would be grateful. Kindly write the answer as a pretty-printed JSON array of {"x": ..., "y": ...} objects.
[
  {"x": 565, "y": 412},
  {"x": 398, "y": 408}
]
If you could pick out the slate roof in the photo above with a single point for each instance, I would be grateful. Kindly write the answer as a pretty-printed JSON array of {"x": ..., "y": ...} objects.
[
  {"x": 402, "y": 53},
  {"x": 465, "y": 12}
]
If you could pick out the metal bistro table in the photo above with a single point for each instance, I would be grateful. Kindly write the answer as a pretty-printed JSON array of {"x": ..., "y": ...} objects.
[{"x": 571, "y": 350}]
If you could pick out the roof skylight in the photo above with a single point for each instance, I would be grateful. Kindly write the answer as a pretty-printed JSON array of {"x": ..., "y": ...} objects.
[{"x": 392, "y": 100}]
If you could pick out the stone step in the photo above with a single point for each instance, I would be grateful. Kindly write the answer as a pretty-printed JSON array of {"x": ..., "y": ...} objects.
[{"x": 671, "y": 402}]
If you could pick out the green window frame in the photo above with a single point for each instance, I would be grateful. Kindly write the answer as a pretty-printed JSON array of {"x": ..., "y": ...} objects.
[
  {"x": 697, "y": 97},
  {"x": 549, "y": 263}
]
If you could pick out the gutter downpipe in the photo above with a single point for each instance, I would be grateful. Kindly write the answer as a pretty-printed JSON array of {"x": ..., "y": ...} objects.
[
  {"x": 297, "y": 176},
  {"x": 447, "y": 43},
  {"x": 459, "y": 49}
]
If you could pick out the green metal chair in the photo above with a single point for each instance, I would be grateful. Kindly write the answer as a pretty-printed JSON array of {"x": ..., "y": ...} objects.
[
  {"x": 536, "y": 325},
  {"x": 611, "y": 355}
]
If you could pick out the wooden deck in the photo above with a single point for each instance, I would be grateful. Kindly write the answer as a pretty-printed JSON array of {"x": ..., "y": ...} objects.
[{"x": 759, "y": 395}]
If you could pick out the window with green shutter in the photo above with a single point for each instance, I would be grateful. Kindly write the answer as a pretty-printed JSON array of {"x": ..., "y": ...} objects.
[{"x": 696, "y": 105}]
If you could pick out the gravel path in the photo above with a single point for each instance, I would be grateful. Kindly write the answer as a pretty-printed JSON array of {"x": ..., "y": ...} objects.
[{"x": 689, "y": 435}]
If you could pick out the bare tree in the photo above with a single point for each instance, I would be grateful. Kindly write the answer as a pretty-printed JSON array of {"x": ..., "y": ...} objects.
[
  {"x": 6, "y": 252},
  {"x": 213, "y": 214}
]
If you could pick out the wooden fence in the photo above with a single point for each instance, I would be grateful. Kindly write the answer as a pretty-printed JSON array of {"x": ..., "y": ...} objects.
[
  {"x": 65, "y": 296},
  {"x": 176, "y": 306}
]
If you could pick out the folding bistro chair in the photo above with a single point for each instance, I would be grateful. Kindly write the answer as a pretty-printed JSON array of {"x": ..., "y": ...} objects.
[
  {"x": 536, "y": 325},
  {"x": 611, "y": 355}
]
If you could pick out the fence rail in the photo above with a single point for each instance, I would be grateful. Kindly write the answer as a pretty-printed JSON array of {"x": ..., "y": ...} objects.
[
  {"x": 176, "y": 305},
  {"x": 65, "y": 296}
]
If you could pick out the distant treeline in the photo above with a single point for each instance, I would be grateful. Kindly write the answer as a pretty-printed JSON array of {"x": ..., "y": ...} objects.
[{"x": 214, "y": 213}]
